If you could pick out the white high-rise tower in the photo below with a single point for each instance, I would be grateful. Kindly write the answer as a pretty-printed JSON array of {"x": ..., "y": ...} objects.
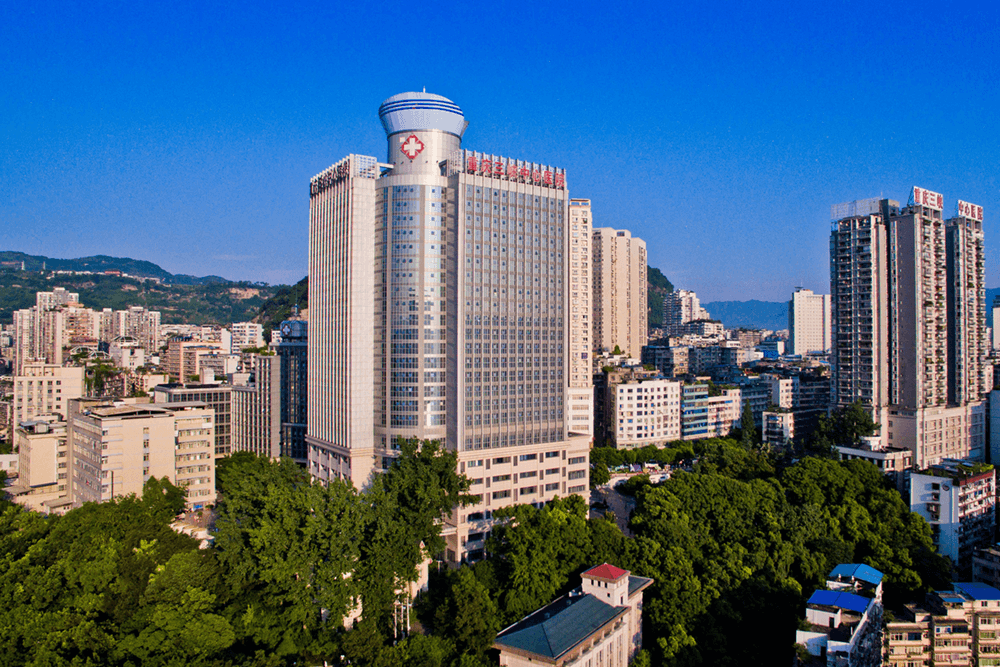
[{"x": 438, "y": 309}]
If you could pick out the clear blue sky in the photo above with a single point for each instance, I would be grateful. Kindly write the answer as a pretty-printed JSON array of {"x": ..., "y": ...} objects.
[{"x": 185, "y": 133}]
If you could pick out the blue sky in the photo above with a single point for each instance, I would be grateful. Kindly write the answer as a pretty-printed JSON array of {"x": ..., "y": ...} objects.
[{"x": 186, "y": 133}]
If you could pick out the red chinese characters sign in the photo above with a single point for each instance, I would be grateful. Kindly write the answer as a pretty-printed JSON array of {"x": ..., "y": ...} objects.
[
  {"x": 927, "y": 198},
  {"x": 970, "y": 211},
  {"x": 499, "y": 168}
]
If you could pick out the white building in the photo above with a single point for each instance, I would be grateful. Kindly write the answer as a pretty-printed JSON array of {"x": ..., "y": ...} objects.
[
  {"x": 958, "y": 500},
  {"x": 808, "y": 322},
  {"x": 246, "y": 334},
  {"x": 467, "y": 334},
  {"x": 580, "y": 388}
]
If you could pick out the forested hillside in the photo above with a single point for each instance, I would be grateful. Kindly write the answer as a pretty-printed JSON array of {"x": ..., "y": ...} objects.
[{"x": 210, "y": 303}]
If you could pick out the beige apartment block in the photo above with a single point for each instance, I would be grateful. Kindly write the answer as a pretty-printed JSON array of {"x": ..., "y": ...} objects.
[
  {"x": 644, "y": 412},
  {"x": 215, "y": 395},
  {"x": 956, "y": 627},
  {"x": 43, "y": 464},
  {"x": 116, "y": 446},
  {"x": 181, "y": 359},
  {"x": 580, "y": 388},
  {"x": 620, "y": 304},
  {"x": 809, "y": 322},
  {"x": 43, "y": 389}
]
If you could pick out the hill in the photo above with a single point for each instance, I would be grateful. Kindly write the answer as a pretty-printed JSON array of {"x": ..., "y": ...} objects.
[
  {"x": 101, "y": 263},
  {"x": 213, "y": 302},
  {"x": 658, "y": 286},
  {"x": 279, "y": 306}
]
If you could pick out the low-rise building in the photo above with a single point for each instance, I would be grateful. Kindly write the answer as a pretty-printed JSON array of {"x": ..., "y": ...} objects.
[
  {"x": 777, "y": 427},
  {"x": 986, "y": 565},
  {"x": 596, "y": 625},
  {"x": 894, "y": 462},
  {"x": 709, "y": 413},
  {"x": 958, "y": 500},
  {"x": 216, "y": 395},
  {"x": 115, "y": 447},
  {"x": 845, "y": 619},
  {"x": 957, "y": 627},
  {"x": 43, "y": 464}
]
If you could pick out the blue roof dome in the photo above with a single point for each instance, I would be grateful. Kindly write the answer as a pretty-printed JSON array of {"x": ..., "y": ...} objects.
[{"x": 421, "y": 111}]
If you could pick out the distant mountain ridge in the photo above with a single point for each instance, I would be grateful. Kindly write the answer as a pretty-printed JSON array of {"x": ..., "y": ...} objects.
[
  {"x": 101, "y": 263},
  {"x": 773, "y": 315},
  {"x": 751, "y": 314}
]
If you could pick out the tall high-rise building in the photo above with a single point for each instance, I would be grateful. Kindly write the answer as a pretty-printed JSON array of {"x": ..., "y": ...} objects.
[
  {"x": 438, "y": 298},
  {"x": 808, "y": 322},
  {"x": 680, "y": 307},
  {"x": 908, "y": 304},
  {"x": 293, "y": 352},
  {"x": 620, "y": 308},
  {"x": 580, "y": 392}
]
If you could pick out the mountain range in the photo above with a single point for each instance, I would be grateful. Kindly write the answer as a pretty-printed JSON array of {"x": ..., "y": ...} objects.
[{"x": 101, "y": 263}]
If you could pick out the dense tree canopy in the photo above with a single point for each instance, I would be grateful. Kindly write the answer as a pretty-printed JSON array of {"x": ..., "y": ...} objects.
[{"x": 734, "y": 539}]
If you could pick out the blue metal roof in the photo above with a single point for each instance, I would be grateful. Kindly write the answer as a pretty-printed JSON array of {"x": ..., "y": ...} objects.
[
  {"x": 848, "y": 601},
  {"x": 558, "y": 627},
  {"x": 858, "y": 571},
  {"x": 978, "y": 591}
]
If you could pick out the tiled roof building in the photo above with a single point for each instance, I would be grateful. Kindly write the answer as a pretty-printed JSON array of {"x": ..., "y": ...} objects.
[{"x": 599, "y": 623}]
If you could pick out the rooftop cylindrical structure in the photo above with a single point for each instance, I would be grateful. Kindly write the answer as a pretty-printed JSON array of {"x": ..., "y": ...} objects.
[{"x": 422, "y": 130}]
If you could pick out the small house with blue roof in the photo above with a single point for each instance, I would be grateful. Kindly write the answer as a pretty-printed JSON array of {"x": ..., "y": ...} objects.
[{"x": 845, "y": 619}]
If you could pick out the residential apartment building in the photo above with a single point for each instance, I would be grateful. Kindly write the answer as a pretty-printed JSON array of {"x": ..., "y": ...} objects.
[
  {"x": 777, "y": 427},
  {"x": 596, "y": 625},
  {"x": 44, "y": 389},
  {"x": 958, "y": 500},
  {"x": 908, "y": 316},
  {"x": 705, "y": 414},
  {"x": 256, "y": 409},
  {"x": 293, "y": 351},
  {"x": 466, "y": 338},
  {"x": 680, "y": 307},
  {"x": 809, "y": 324},
  {"x": 43, "y": 465},
  {"x": 956, "y": 627},
  {"x": 672, "y": 361},
  {"x": 845, "y": 619},
  {"x": 215, "y": 395},
  {"x": 246, "y": 334},
  {"x": 639, "y": 408},
  {"x": 134, "y": 322},
  {"x": 620, "y": 304},
  {"x": 115, "y": 447},
  {"x": 581, "y": 288},
  {"x": 181, "y": 361}
]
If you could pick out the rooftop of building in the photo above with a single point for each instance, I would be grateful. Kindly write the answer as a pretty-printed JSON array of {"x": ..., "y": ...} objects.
[
  {"x": 860, "y": 571},
  {"x": 957, "y": 470},
  {"x": 605, "y": 572},
  {"x": 421, "y": 111},
  {"x": 977, "y": 591},
  {"x": 556, "y": 628}
]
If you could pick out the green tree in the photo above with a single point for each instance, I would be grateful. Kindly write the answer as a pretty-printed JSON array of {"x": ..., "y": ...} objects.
[{"x": 748, "y": 428}]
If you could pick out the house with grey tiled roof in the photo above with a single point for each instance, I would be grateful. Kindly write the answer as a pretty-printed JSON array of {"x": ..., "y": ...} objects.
[{"x": 599, "y": 623}]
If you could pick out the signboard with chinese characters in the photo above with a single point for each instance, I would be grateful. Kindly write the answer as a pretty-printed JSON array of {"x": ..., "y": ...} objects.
[
  {"x": 507, "y": 169},
  {"x": 921, "y": 197},
  {"x": 970, "y": 211}
]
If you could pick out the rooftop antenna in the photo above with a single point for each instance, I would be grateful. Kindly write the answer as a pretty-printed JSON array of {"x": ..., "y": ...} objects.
[{"x": 425, "y": 89}]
